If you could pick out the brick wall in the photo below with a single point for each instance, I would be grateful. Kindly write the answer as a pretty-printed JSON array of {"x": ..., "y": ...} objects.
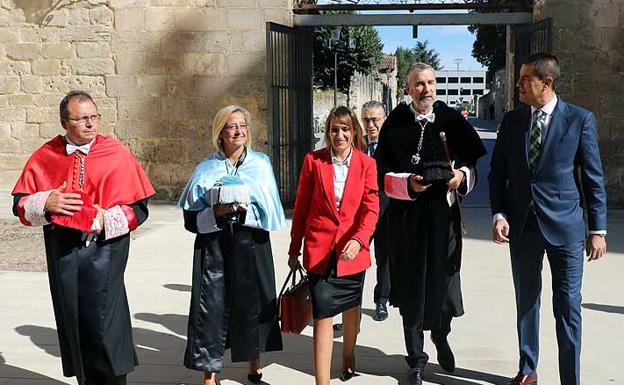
[
  {"x": 158, "y": 69},
  {"x": 588, "y": 39}
]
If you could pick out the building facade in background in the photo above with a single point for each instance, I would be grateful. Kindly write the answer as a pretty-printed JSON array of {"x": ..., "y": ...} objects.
[{"x": 461, "y": 86}]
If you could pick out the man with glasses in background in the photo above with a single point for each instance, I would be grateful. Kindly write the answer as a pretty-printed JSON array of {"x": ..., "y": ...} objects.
[
  {"x": 88, "y": 192},
  {"x": 373, "y": 117}
]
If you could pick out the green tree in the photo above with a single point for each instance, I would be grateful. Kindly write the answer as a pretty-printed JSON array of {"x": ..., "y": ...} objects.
[
  {"x": 422, "y": 54},
  {"x": 419, "y": 54},
  {"x": 363, "y": 57}
]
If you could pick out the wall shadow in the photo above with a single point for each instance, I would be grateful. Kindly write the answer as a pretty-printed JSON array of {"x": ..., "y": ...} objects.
[
  {"x": 604, "y": 308},
  {"x": 11, "y": 373}
]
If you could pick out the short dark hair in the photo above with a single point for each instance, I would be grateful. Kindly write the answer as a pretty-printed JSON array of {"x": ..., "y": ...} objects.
[
  {"x": 372, "y": 105},
  {"x": 545, "y": 64},
  {"x": 80, "y": 95}
]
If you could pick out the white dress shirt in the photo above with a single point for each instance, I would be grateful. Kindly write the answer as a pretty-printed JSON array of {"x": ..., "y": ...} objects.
[{"x": 341, "y": 170}]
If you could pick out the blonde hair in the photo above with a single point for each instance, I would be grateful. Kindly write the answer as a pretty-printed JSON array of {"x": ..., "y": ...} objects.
[{"x": 221, "y": 119}]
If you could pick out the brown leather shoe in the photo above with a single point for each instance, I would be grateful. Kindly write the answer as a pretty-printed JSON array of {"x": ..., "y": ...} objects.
[{"x": 524, "y": 379}]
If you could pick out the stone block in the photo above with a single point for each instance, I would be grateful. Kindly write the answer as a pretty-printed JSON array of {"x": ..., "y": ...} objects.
[
  {"x": 49, "y": 67},
  {"x": 8, "y": 35},
  {"x": 78, "y": 16},
  {"x": 245, "y": 65},
  {"x": 131, "y": 64},
  {"x": 8, "y": 145},
  {"x": 63, "y": 84},
  {"x": 14, "y": 68},
  {"x": 245, "y": 19},
  {"x": 169, "y": 3},
  {"x": 186, "y": 41},
  {"x": 92, "y": 66},
  {"x": 156, "y": 64},
  {"x": 138, "y": 108},
  {"x": 202, "y": 3},
  {"x": 21, "y": 130},
  {"x": 127, "y": 86},
  {"x": 604, "y": 16},
  {"x": 41, "y": 115},
  {"x": 9, "y": 84},
  {"x": 20, "y": 100},
  {"x": 119, "y": 5},
  {"x": 199, "y": 64},
  {"x": 254, "y": 41},
  {"x": 5, "y": 130},
  {"x": 4, "y": 101},
  {"x": 91, "y": 33},
  {"x": 278, "y": 15},
  {"x": 47, "y": 100},
  {"x": 130, "y": 19},
  {"x": 102, "y": 16},
  {"x": 50, "y": 130},
  {"x": 182, "y": 85},
  {"x": 56, "y": 18},
  {"x": 274, "y": 4},
  {"x": 136, "y": 42},
  {"x": 204, "y": 19},
  {"x": 236, "y": 3},
  {"x": 39, "y": 35},
  {"x": 159, "y": 19},
  {"x": 58, "y": 51},
  {"x": 93, "y": 50},
  {"x": 23, "y": 51},
  {"x": 12, "y": 115}
]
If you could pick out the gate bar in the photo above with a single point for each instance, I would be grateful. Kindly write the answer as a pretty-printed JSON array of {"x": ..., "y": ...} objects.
[{"x": 491, "y": 18}]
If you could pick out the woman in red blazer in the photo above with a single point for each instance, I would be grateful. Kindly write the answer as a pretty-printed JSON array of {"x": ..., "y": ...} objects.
[{"x": 335, "y": 216}]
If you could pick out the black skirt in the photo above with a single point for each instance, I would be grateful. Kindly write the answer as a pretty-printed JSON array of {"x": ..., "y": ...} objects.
[{"x": 332, "y": 295}]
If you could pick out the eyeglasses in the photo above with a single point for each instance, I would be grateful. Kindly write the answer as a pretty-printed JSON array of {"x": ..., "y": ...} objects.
[
  {"x": 86, "y": 119},
  {"x": 373, "y": 120},
  {"x": 235, "y": 126}
]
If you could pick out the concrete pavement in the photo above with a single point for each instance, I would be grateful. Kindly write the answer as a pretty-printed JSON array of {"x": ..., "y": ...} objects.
[{"x": 484, "y": 340}]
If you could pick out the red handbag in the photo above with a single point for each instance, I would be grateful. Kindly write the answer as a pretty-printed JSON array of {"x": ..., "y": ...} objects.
[{"x": 295, "y": 303}]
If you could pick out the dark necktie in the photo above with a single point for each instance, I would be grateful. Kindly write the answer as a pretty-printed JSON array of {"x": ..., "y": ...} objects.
[
  {"x": 535, "y": 139},
  {"x": 372, "y": 146}
]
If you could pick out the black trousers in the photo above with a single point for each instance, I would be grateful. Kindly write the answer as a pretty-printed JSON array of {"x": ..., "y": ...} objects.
[
  {"x": 415, "y": 338},
  {"x": 382, "y": 249}
]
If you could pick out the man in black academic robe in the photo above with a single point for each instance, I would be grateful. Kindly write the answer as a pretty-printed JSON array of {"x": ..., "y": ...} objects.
[{"x": 425, "y": 220}]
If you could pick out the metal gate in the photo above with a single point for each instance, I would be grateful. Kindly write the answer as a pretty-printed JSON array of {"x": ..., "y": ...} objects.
[
  {"x": 289, "y": 77},
  {"x": 530, "y": 39}
]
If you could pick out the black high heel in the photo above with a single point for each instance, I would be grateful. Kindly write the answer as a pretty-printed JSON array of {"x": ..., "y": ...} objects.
[{"x": 256, "y": 378}]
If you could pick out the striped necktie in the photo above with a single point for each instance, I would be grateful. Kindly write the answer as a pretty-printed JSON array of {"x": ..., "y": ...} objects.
[
  {"x": 535, "y": 138},
  {"x": 372, "y": 146}
]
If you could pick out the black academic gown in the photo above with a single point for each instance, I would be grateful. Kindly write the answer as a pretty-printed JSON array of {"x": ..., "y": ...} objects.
[
  {"x": 425, "y": 234},
  {"x": 233, "y": 302},
  {"x": 89, "y": 300}
]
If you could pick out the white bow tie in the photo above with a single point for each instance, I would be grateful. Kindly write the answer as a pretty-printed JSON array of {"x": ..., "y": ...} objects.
[
  {"x": 71, "y": 148},
  {"x": 430, "y": 117}
]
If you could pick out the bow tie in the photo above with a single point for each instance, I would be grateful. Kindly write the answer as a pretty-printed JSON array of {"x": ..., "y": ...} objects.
[
  {"x": 71, "y": 148},
  {"x": 430, "y": 117}
]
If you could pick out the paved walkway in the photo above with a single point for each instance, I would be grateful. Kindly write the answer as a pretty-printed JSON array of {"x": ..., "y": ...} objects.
[{"x": 158, "y": 278}]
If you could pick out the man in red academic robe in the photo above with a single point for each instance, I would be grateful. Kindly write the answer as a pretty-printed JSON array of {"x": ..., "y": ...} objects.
[{"x": 88, "y": 192}]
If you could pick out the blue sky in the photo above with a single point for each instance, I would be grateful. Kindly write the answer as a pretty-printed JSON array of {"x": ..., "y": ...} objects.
[{"x": 453, "y": 41}]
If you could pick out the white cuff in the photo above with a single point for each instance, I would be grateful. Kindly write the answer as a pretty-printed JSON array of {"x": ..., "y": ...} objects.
[
  {"x": 470, "y": 179},
  {"x": 396, "y": 185},
  {"x": 598, "y": 232},
  {"x": 115, "y": 222},
  {"x": 498, "y": 216},
  {"x": 34, "y": 208},
  {"x": 206, "y": 222}
]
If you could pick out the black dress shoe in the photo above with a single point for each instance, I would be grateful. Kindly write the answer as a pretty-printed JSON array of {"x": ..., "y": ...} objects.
[
  {"x": 381, "y": 312},
  {"x": 446, "y": 359},
  {"x": 347, "y": 375},
  {"x": 524, "y": 379},
  {"x": 415, "y": 377},
  {"x": 256, "y": 378}
]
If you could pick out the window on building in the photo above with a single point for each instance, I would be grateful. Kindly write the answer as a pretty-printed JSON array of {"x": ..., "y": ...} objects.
[
  {"x": 441, "y": 80},
  {"x": 465, "y": 91},
  {"x": 477, "y": 80},
  {"x": 441, "y": 92},
  {"x": 477, "y": 92},
  {"x": 452, "y": 102},
  {"x": 453, "y": 80},
  {"x": 466, "y": 80},
  {"x": 453, "y": 92}
]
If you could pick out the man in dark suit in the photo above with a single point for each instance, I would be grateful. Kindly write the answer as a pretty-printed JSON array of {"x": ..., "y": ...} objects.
[
  {"x": 545, "y": 154},
  {"x": 373, "y": 117}
]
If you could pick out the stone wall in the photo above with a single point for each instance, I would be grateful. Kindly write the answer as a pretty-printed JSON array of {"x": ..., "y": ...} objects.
[
  {"x": 588, "y": 39},
  {"x": 158, "y": 69}
]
